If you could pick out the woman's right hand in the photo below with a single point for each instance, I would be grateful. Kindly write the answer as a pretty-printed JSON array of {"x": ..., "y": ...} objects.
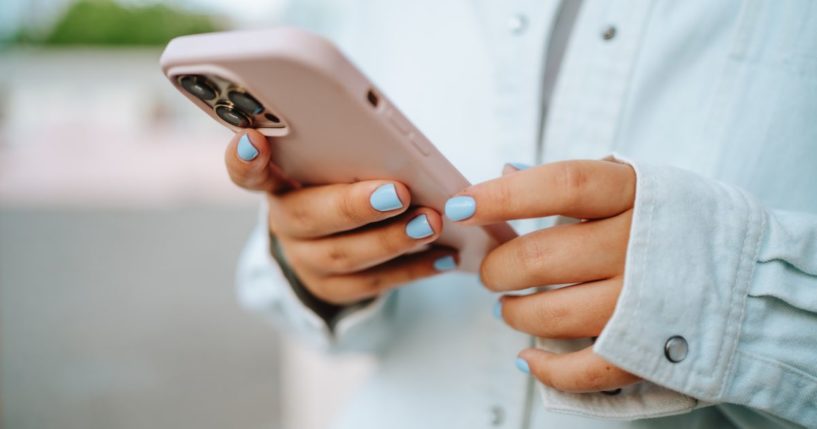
[{"x": 345, "y": 242}]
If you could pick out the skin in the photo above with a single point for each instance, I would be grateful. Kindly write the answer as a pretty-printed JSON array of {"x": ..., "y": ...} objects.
[
  {"x": 341, "y": 248},
  {"x": 590, "y": 255},
  {"x": 344, "y": 251}
]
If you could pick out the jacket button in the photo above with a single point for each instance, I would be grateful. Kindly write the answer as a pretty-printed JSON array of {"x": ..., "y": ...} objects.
[
  {"x": 497, "y": 415},
  {"x": 517, "y": 24},
  {"x": 676, "y": 349},
  {"x": 608, "y": 33}
]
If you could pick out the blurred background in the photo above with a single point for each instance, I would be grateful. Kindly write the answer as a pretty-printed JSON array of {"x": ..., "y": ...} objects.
[{"x": 119, "y": 234}]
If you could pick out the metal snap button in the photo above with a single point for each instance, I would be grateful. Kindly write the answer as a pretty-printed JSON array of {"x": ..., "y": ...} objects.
[
  {"x": 609, "y": 33},
  {"x": 497, "y": 415},
  {"x": 676, "y": 349}
]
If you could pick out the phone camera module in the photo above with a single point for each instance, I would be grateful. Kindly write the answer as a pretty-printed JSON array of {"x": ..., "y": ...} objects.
[
  {"x": 245, "y": 102},
  {"x": 199, "y": 86},
  {"x": 232, "y": 116}
]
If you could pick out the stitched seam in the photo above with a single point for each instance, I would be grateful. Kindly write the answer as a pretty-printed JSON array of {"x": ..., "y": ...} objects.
[
  {"x": 729, "y": 316},
  {"x": 782, "y": 365},
  {"x": 650, "y": 203},
  {"x": 552, "y": 400},
  {"x": 746, "y": 268},
  {"x": 622, "y": 416},
  {"x": 627, "y": 335}
]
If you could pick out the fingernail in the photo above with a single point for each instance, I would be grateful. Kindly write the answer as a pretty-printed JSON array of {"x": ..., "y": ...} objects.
[
  {"x": 498, "y": 309},
  {"x": 385, "y": 198},
  {"x": 445, "y": 263},
  {"x": 522, "y": 365},
  {"x": 460, "y": 208},
  {"x": 419, "y": 227},
  {"x": 245, "y": 149},
  {"x": 519, "y": 165}
]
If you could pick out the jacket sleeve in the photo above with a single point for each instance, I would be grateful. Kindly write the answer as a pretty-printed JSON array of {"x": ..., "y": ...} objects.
[
  {"x": 720, "y": 296},
  {"x": 269, "y": 289}
]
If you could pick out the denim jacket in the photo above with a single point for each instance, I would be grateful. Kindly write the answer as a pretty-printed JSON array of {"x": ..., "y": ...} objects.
[{"x": 715, "y": 106}]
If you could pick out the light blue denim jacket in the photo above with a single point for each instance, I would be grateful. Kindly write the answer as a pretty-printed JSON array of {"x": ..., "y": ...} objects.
[{"x": 713, "y": 103}]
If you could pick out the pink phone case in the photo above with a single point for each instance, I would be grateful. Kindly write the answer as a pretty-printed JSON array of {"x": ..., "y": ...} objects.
[{"x": 330, "y": 124}]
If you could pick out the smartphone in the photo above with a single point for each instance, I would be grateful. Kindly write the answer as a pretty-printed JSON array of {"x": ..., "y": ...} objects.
[{"x": 328, "y": 123}]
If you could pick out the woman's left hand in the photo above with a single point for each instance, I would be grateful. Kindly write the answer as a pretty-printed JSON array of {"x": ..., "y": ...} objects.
[{"x": 590, "y": 253}]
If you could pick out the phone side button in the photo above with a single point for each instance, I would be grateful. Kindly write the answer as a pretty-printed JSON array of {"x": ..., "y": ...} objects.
[{"x": 419, "y": 143}]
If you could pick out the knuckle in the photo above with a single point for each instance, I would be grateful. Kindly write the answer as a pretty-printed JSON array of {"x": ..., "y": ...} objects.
[
  {"x": 300, "y": 219},
  {"x": 573, "y": 178},
  {"x": 336, "y": 258},
  {"x": 347, "y": 209},
  {"x": 530, "y": 252},
  {"x": 502, "y": 196}
]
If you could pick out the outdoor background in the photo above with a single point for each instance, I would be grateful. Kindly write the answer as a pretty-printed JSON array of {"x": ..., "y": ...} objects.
[{"x": 119, "y": 234}]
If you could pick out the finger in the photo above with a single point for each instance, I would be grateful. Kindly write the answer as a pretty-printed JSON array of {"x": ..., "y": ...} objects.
[
  {"x": 562, "y": 254},
  {"x": 513, "y": 167},
  {"x": 577, "y": 372},
  {"x": 583, "y": 189},
  {"x": 323, "y": 210},
  {"x": 350, "y": 288},
  {"x": 578, "y": 311},
  {"x": 248, "y": 159},
  {"x": 367, "y": 247}
]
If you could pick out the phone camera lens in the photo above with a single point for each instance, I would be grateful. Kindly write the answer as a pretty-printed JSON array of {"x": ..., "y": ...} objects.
[
  {"x": 199, "y": 86},
  {"x": 272, "y": 118},
  {"x": 232, "y": 116},
  {"x": 245, "y": 102}
]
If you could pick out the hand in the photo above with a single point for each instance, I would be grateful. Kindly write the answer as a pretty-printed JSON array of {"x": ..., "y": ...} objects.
[
  {"x": 345, "y": 242},
  {"x": 590, "y": 253}
]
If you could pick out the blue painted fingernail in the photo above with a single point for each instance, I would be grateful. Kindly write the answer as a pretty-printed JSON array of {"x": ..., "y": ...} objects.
[
  {"x": 519, "y": 165},
  {"x": 498, "y": 309},
  {"x": 245, "y": 149},
  {"x": 385, "y": 198},
  {"x": 522, "y": 365},
  {"x": 445, "y": 263},
  {"x": 460, "y": 208},
  {"x": 419, "y": 227}
]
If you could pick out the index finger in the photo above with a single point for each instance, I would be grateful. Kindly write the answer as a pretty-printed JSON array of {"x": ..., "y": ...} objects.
[{"x": 582, "y": 189}]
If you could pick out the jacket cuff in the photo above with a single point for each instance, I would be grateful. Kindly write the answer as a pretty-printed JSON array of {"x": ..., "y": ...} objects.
[
  {"x": 690, "y": 261},
  {"x": 638, "y": 401}
]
